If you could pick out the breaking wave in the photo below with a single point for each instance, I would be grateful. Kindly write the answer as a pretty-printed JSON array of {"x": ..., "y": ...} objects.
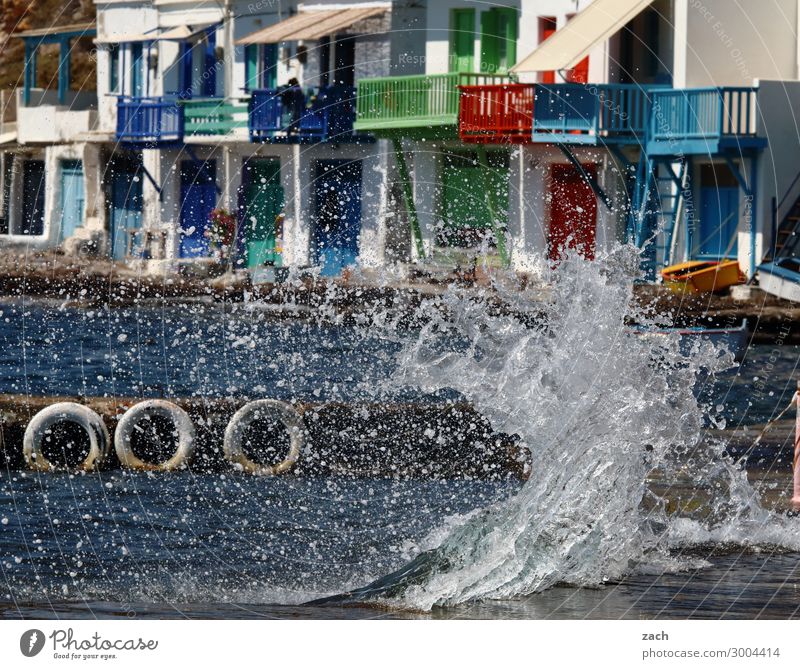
[{"x": 622, "y": 477}]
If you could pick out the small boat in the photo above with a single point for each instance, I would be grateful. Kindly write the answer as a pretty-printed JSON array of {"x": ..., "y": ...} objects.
[
  {"x": 702, "y": 276},
  {"x": 734, "y": 339},
  {"x": 781, "y": 278}
]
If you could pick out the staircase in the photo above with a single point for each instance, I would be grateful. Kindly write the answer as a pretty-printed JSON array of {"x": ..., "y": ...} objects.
[
  {"x": 787, "y": 235},
  {"x": 657, "y": 200}
]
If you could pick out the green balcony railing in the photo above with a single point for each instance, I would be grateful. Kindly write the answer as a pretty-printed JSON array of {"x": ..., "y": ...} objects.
[
  {"x": 416, "y": 101},
  {"x": 214, "y": 116}
]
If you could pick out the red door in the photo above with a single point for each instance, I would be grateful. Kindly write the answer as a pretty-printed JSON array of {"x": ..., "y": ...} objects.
[
  {"x": 573, "y": 212},
  {"x": 547, "y": 26}
]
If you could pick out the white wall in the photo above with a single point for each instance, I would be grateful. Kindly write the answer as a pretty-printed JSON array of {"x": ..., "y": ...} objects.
[
  {"x": 724, "y": 43},
  {"x": 779, "y": 122}
]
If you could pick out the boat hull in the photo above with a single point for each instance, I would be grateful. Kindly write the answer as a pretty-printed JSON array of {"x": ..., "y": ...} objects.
[
  {"x": 779, "y": 281},
  {"x": 699, "y": 276}
]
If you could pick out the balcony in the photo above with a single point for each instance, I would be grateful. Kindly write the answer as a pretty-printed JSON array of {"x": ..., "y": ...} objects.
[
  {"x": 590, "y": 113},
  {"x": 214, "y": 116},
  {"x": 496, "y": 114},
  {"x": 323, "y": 114},
  {"x": 149, "y": 121},
  {"x": 417, "y": 104},
  {"x": 45, "y": 119},
  {"x": 703, "y": 121}
]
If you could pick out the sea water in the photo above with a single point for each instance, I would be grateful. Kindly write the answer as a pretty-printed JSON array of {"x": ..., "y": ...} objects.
[{"x": 631, "y": 509}]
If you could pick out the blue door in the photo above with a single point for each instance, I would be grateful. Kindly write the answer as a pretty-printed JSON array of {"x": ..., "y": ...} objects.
[
  {"x": 719, "y": 213},
  {"x": 72, "y": 197},
  {"x": 125, "y": 207},
  {"x": 198, "y": 199},
  {"x": 33, "y": 184},
  {"x": 337, "y": 214}
]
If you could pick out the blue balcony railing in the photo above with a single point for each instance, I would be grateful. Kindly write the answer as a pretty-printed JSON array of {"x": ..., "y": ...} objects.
[
  {"x": 152, "y": 121},
  {"x": 590, "y": 113},
  {"x": 702, "y": 120},
  {"x": 326, "y": 113}
]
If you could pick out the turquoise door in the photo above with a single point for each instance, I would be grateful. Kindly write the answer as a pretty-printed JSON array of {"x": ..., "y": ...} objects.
[
  {"x": 72, "y": 197},
  {"x": 718, "y": 212},
  {"x": 719, "y": 220},
  {"x": 125, "y": 208}
]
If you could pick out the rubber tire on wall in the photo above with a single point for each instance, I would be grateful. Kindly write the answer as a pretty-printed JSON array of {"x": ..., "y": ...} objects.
[
  {"x": 234, "y": 433},
  {"x": 183, "y": 426},
  {"x": 90, "y": 421}
]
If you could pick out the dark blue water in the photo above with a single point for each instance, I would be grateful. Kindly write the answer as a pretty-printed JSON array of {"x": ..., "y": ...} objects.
[
  {"x": 181, "y": 539},
  {"x": 228, "y": 350},
  {"x": 186, "y": 350},
  {"x": 119, "y": 543}
]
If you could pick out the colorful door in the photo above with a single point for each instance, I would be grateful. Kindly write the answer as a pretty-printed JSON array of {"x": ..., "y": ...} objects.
[
  {"x": 263, "y": 202},
  {"x": 198, "y": 199},
  {"x": 33, "y": 186},
  {"x": 125, "y": 207},
  {"x": 462, "y": 40},
  {"x": 465, "y": 186},
  {"x": 573, "y": 212},
  {"x": 719, "y": 213},
  {"x": 72, "y": 198},
  {"x": 498, "y": 39},
  {"x": 547, "y": 26},
  {"x": 337, "y": 214}
]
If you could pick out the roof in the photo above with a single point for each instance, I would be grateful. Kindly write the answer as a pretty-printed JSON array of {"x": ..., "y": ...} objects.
[
  {"x": 311, "y": 25},
  {"x": 74, "y": 28},
  {"x": 176, "y": 33},
  {"x": 571, "y": 43}
]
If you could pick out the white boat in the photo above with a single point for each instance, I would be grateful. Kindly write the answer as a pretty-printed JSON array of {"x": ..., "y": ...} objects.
[{"x": 781, "y": 278}]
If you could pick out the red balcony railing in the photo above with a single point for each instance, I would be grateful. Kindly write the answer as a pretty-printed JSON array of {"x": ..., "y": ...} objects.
[{"x": 496, "y": 114}]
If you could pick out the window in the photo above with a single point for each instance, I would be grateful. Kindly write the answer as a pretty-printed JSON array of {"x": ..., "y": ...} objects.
[
  {"x": 113, "y": 68},
  {"x": 462, "y": 40},
  {"x": 261, "y": 66},
  {"x": 498, "y": 39},
  {"x": 251, "y": 67}
]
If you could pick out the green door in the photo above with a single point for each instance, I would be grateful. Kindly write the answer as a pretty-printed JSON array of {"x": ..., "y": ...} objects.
[
  {"x": 263, "y": 202},
  {"x": 498, "y": 39},
  {"x": 462, "y": 40},
  {"x": 465, "y": 187}
]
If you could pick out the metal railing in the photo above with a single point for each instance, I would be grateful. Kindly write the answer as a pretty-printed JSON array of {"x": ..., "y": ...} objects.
[
  {"x": 607, "y": 110},
  {"x": 415, "y": 100},
  {"x": 149, "y": 120},
  {"x": 214, "y": 116},
  {"x": 703, "y": 114},
  {"x": 326, "y": 112},
  {"x": 496, "y": 113}
]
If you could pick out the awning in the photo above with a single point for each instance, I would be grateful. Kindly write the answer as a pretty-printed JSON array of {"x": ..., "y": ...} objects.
[
  {"x": 311, "y": 25},
  {"x": 72, "y": 29},
  {"x": 185, "y": 32},
  {"x": 570, "y": 44},
  {"x": 124, "y": 38},
  {"x": 178, "y": 33}
]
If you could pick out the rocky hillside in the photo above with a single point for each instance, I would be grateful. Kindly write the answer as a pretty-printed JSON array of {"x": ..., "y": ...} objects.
[{"x": 16, "y": 15}]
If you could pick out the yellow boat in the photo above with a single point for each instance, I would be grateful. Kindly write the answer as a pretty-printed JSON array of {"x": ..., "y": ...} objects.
[{"x": 702, "y": 276}]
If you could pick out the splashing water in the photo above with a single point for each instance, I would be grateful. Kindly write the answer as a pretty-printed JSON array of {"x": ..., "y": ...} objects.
[{"x": 605, "y": 414}]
